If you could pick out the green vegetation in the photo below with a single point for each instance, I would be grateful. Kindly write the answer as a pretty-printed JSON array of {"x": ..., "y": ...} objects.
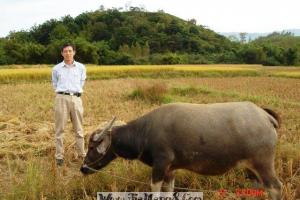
[
  {"x": 192, "y": 91},
  {"x": 111, "y": 37},
  {"x": 278, "y": 49},
  {"x": 156, "y": 93}
]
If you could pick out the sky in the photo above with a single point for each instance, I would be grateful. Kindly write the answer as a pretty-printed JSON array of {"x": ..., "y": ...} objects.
[{"x": 218, "y": 15}]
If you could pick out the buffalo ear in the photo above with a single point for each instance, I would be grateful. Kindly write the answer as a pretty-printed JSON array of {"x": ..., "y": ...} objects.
[
  {"x": 97, "y": 136},
  {"x": 103, "y": 146},
  {"x": 104, "y": 131},
  {"x": 101, "y": 149}
]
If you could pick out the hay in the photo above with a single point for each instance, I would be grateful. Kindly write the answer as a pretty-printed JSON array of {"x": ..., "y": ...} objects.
[{"x": 116, "y": 124}]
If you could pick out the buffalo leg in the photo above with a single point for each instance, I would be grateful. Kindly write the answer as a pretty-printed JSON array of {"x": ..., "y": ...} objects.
[
  {"x": 159, "y": 170},
  {"x": 252, "y": 175},
  {"x": 156, "y": 186},
  {"x": 265, "y": 169},
  {"x": 169, "y": 182}
]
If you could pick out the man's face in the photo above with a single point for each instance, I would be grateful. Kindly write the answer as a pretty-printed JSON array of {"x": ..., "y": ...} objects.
[{"x": 68, "y": 53}]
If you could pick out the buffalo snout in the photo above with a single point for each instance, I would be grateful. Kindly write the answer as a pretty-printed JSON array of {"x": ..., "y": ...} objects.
[{"x": 85, "y": 169}]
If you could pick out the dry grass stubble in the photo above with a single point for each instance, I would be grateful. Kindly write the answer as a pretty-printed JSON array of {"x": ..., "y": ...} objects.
[{"x": 27, "y": 148}]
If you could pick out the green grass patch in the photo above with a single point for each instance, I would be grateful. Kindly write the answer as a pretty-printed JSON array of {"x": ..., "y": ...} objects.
[
  {"x": 193, "y": 91},
  {"x": 30, "y": 186},
  {"x": 155, "y": 94}
]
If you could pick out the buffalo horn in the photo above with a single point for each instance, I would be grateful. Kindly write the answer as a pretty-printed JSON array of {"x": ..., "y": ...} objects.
[{"x": 106, "y": 128}]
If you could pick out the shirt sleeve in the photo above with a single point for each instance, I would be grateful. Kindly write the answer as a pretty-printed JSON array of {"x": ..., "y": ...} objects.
[
  {"x": 54, "y": 79},
  {"x": 83, "y": 76}
]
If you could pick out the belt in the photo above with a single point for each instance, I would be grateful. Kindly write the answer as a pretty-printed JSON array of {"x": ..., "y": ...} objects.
[{"x": 70, "y": 93}]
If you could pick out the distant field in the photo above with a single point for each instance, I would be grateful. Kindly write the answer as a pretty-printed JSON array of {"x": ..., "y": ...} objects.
[
  {"x": 287, "y": 74},
  {"x": 38, "y": 73},
  {"x": 27, "y": 165},
  {"x": 13, "y": 74}
]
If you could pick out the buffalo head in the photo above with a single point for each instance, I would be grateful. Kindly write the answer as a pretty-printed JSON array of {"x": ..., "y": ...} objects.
[{"x": 99, "y": 150}]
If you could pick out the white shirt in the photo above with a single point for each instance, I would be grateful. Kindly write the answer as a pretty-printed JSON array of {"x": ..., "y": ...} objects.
[{"x": 68, "y": 78}]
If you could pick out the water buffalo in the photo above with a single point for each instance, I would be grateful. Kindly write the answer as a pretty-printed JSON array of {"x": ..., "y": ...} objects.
[{"x": 208, "y": 139}]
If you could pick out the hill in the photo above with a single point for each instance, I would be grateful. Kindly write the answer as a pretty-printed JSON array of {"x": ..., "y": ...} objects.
[
  {"x": 279, "y": 48},
  {"x": 114, "y": 37},
  {"x": 110, "y": 37}
]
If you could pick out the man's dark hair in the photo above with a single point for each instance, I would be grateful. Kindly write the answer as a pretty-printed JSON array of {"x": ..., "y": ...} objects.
[{"x": 68, "y": 45}]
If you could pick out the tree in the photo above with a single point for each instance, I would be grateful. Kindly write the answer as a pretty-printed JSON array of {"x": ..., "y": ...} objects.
[
  {"x": 41, "y": 33},
  {"x": 192, "y": 21},
  {"x": 52, "y": 52},
  {"x": 136, "y": 50},
  {"x": 14, "y": 52},
  {"x": 105, "y": 54},
  {"x": 194, "y": 30},
  {"x": 60, "y": 32},
  {"x": 252, "y": 54},
  {"x": 20, "y": 36},
  {"x": 143, "y": 30},
  {"x": 71, "y": 25},
  {"x": 111, "y": 15},
  {"x": 85, "y": 51},
  {"x": 101, "y": 8},
  {"x": 292, "y": 56},
  {"x": 124, "y": 48},
  {"x": 3, "y": 56},
  {"x": 135, "y": 9},
  {"x": 171, "y": 59},
  {"x": 173, "y": 27},
  {"x": 124, "y": 35},
  {"x": 145, "y": 50},
  {"x": 82, "y": 19},
  {"x": 99, "y": 31},
  {"x": 274, "y": 55},
  {"x": 123, "y": 59},
  {"x": 243, "y": 37},
  {"x": 33, "y": 53}
]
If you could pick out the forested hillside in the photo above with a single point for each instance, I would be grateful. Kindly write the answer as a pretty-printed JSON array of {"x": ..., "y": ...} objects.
[
  {"x": 279, "y": 49},
  {"x": 138, "y": 37}
]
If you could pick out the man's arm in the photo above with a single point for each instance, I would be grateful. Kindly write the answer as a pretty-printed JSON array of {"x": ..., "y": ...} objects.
[
  {"x": 83, "y": 76},
  {"x": 54, "y": 79}
]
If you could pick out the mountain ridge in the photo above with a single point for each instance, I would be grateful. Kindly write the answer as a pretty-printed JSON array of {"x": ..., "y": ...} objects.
[{"x": 111, "y": 37}]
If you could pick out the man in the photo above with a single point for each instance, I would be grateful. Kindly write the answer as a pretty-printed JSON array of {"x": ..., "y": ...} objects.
[{"x": 68, "y": 79}]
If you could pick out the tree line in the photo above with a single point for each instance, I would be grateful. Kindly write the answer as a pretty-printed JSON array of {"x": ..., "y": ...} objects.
[{"x": 111, "y": 37}]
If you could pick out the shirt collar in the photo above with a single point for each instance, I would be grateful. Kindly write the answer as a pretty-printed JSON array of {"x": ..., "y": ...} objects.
[{"x": 73, "y": 64}]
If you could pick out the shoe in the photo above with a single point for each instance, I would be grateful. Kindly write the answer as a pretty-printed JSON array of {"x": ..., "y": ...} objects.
[{"x": 59, "y": 162}]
